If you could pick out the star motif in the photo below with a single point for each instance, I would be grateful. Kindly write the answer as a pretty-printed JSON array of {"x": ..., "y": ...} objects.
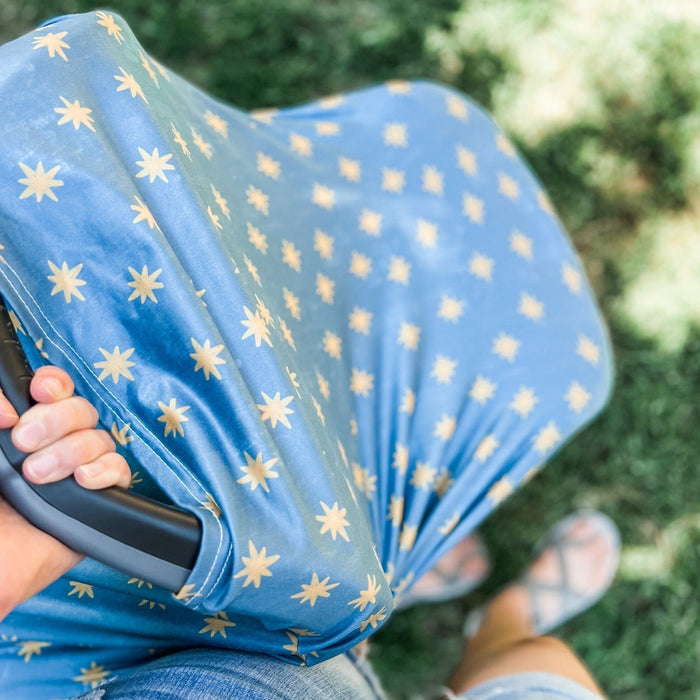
[
  {"x": 506, "y": 346},
  {"x": 480, "y": 266},
  {"x": 393, "y": 180},
  {"x": 350, "y": 169},
  {"x": 395, "y": 134},
  {"x": 360, "y": 320},
  {"x": 449, "y": 525},
  {"x": 94, "y": 675},
  {"x": 361, "y": 382},
  {"x": 214, "y": 218},
  {"x": 407, "y": 538},
  {"x": 144, "y": 284},
  {"x": 333, "y": 521},
  {"x": 327, "y": 128},
  {"x": 276, "y": 409},
  {"x": 443, "y": 369},
  {"x": 451, "y": 309},
  {"x": 577, "y": 397},
  {"x": 258, "y": 199},
  {"x": 524, "y": 401},
  {"x": 66, "y": 280},
  {"x": 259, "y": 240},
  {"x": 365, "y": 483},
  {"x": 16, "y": 324},
  {"x": 116, "y": 364},
  {"x": 423, "y": 476},
  {"x": 29, "y": 649},
  {"x": 221, "y": 202},
  {"x": 395, "y": 510},
  {"x": 547, "y": 438},
  {"x": 482, "y": 390},
  {"x": 323, "y": 386},
  {"x": 257, "y": 471},
  {"x": 204, "y": 147},
  {"x": 153, "y": 165},
  {"x": 466, "y": 161},
  {"x": 473, "y": 208},
  {"x": 120, "y": 434},
  {"x": 252, "y": 269},
  {"x": 287, "y": 333},
  {"x": 360, "y": 265},
  {"x": 432, "y": 180},
  {"x": 445, "y": 428},
  {"x": 128, "y": 82},
  {"x": 53, "y": 43},
  {"x": 173, "y": 417},
  {"x": 81, "y": 589},
  {"x": 409, "y": 335},
  {"x": 399, "y": 270},
  {"x": 400, "y": 460},
  {"x": 545, "y": 203},
  {"x": 147, "y": 67},
  {"x": 219, "y": 125},
  {"x": 500, "y": 491},
  {"x": 143, "y": 213},
  {"x": 108, "y": 22},
  {"x": 217, "y": 624},
  {"x": 291, "y": 255},
  {"x": 427, "y": 234},
  {"x": 486, "y": 448},
  {"x": 332, "y": 101},
  {"x": 457, "y": 107},
  {"x": 186, "y": 593},
  {"x": 521, "y": 244},
  {"x": 211, "y": 506},
  {"x": 311, "y": 592},
  {"x": 323, "y": 244},
  {"x": 73, "y": 112},
  {"x": 398, "y": 87},
  {"x": 505, "y": 145},
  {"x": 268, "y": 166},
  {"x": 368, "y": 596},
  {"x": 443, "y": 482},
  {"x": 291, "y": 302},
  {"x": 300, "y": 145},
  {"x": 571, "y": 278},
  {"x": 508, "y": 187},
  {"x": 38, "y": 182},
  {"x": 207, "y": 357},
  {"x": 256, "y": 565},
  {"x": 323, "y": 196},
  {"x": 408, "y": 402},
  {"x": 371, "y": 222},
  {"x": 373, "y": 620},
  {"x": 530, "y": 307},
  {"x": 325, "y": 288},
  {"x": 332, "y": 344},
  {"x": 264, "y": 116}
]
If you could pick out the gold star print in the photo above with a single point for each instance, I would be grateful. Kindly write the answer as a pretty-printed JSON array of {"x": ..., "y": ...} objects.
[
  {"x": 256, "y": 565},
  {"x": 287, "y": 333},
  {"x": 486, "y": 448},
  {"x": 144, "y": 284},
  {"x": 373, "y": 620},
  {"x": 482, "y": 390},
  {"x": 38, "y": 182},
  {"x": 361, "y": 382},
  {"x": 222, "y": 203},
  {"x": 524, "y": 401},
  {"x": 323, "y": 244},
  {"x": 443, "y": 482},
  {"x": 180, "y": 141},
  {"x": 264, "y": 311},
  {"x": 423, "y": 476},
  {"x": 395, "y": 509},
  {"x": 153, "y": 165},
  {"x": 113, "y": 29},
  {"x": 327, "y": 128},
  {"x": 268, "y": 166},
  {"x": 291, "y": 302},
  {"x": 393, "y": 180},
  {"x": 323, "y": 196},
  {"x": 147, "y": 67},
  {"x": 530, "y": 307},
  {"x": 545, "y": 203},
  {"x": 73, "y": 112},
  {"x": 449, "y": 525},
  {"x": 264, "y": 116},
  {"x": 508, "y": 187},
  {"x": 398, "y": 87},
  {"x": 160, "y": 69},
  {"x": 547, "y": 438},
  {"x": 252, "y": 269},
  {"x": 350, "y": 169},
  {"x": 445, "y": 428},
  {"x": 128, "y": 82},
  {"x": 66, "y": 281},
  {"x": 300, "y": 145},
  {"x": 139, "y": 582},
  {"x": 291, "y": 255},
  {"x": 480, "y": 266},
  {"x": 217, "y": 624},
  {"x": 16, "y": 323},
  {"x": 81, "y": 589},
  {"x": 399, "y": 270},
  {"x": 505, "y": 146},
  {"x": 293, "y": 379},
  {"x": 257, "y": 471},
  {"x": 204, "y": 147},
  {"x": 466, "y": 161},
  {"x": 427, "y": 234},
  {"x": 409, "y": 335},
  {"x": 333, "y": 521},
  {"x": 365, "y": 483},
  {"x": 506, "y": 346},
  {"x": 332, "y": 344},
  {"x": 407, "y": 538},
  {"x": 371, "y": 222},
  {"x": 152, "y": 604},
  {"x": 207, "y": 357},
  {"x": 173, "y": 417},
  {"x": 473, "y": 208},
  {"x": 259, "y": 240},
  {"x": 323, "y": 386},
  {"x": 211, "y": 505},
  {"x": 120, "y": 434},
  {"x": 53, "y": 43},
  {"x": 443, "y": 369},
  {"x": 214, "y": 218},
  {"x": 311, "y": 592},
  {"x": 577, "y": 397},
  {"x": 325, "y": 288},
  {"x": 360, "y": 320},
  {"x": 400, "y": 459},
  {"x": 521, "y": 244},
  {"x": 276, "y": 409},
  {"x": 186, "y": 593},
  {"x": 29, "y": 649},
  {"x": 432, "y": 180},
  {"x": 395, "y": 134},
  {"x": 135, "y": 476},
  {"x": 143, "y": 213},
  {"x": 360, "y": 265},
  {"x": 571, "y": 278},
  {"x": 94, "y": 675},
  {"x": 408, "y": 402},
  {"x": 457, "y": 107},
  {"x": 217, "y": 123},
  {"x": 258, "y": 199},
  {"x": 116, "y": 364},
  {"x": 500, "y": 491},
  {"x": 368, "y": 596},
  {"x": 332, "y": 101},
  {"x": 450, "y": 308}
]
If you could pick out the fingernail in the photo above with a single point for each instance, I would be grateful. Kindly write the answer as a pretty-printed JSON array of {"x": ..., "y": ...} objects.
[
  {"x": 27, "y": 436},
  {"x": 52, "y": 386},
  {"x": 40, "y": 466},
  {"x": 90, "y": 470}
]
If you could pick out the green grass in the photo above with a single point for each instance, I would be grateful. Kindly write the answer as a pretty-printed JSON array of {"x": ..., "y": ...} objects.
[{"x": 604, "y": 100}]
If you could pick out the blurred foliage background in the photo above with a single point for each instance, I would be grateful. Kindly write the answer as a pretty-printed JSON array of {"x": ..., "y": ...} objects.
[{"x": 603, "y": 99}]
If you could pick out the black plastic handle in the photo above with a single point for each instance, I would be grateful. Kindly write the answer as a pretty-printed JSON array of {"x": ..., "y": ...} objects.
[{"x": 135, "y": 534}]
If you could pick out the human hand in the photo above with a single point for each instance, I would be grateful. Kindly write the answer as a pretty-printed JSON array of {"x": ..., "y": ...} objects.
[{"x": 60, "y": 434}]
